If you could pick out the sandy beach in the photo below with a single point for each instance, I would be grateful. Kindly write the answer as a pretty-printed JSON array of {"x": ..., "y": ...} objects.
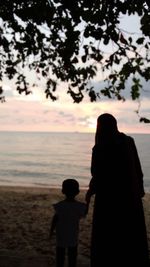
[{"x": 25, "y": 217}]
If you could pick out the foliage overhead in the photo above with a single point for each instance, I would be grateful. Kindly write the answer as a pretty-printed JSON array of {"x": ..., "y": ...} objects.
[{"x": 70, "y": 41}]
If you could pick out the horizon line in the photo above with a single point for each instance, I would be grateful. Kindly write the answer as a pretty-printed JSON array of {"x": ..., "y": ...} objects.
[{"x": 82, "y": 132}]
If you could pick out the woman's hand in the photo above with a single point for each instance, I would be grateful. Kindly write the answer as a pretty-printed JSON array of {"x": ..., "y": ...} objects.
[{"x": 88, "y": 197}]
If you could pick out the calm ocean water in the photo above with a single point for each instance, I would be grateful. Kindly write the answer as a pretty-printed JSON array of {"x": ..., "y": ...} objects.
[{"x": 46, "y": 159}]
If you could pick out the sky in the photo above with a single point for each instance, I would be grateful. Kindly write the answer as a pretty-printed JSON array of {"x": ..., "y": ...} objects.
[{"x": 35, "y": 113}]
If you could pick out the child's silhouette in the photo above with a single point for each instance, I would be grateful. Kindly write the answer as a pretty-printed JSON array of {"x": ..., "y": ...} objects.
[{"x": 68, "y": 213}]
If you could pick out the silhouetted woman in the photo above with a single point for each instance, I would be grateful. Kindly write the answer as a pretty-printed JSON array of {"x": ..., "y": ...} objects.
[{"x": 118, "y": 232}]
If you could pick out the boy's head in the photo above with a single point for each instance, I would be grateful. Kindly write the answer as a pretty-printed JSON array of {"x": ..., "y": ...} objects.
[{"x": 70, "y": 188}]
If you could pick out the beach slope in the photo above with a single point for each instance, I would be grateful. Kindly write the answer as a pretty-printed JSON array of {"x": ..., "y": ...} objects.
[{"x": 25, "y": 217}]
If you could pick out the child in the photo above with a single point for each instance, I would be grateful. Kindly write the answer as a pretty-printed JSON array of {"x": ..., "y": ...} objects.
[{"x": 68, "y": 212}]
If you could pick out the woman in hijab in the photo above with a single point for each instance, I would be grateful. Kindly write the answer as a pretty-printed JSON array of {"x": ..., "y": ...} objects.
[{"x": 118, "y": 230}]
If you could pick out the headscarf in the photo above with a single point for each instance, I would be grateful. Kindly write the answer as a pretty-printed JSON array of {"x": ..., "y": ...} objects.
[{"x": 106, "y": 128}]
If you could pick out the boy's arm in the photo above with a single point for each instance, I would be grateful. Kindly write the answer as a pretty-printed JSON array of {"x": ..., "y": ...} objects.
[{"x": 53, "y": 225}]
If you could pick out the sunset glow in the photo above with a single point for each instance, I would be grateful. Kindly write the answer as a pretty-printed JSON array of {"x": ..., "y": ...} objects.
[{"x": 35, "y": 113}]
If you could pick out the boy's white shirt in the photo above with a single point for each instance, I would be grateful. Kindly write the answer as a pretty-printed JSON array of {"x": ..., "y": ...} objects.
[{"x": 69, "y": 214}]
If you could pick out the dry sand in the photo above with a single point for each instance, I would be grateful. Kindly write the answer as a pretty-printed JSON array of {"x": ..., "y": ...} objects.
[{"x": 25, "y": 217}]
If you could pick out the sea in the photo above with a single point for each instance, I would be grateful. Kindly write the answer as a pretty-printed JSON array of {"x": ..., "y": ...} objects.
[{"x": 45, "y": 159}]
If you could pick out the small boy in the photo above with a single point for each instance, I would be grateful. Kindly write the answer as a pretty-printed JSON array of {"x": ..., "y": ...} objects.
[{"x": 68, "y": 213}]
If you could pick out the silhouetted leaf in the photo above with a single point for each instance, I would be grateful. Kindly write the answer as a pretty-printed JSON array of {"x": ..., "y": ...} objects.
[
  {"x": 140, "y": 40},
  {"x": 145, "y": 120}
]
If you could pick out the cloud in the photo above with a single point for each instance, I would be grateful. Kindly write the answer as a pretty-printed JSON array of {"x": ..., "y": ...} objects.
[{"x": 39, "y": 114}]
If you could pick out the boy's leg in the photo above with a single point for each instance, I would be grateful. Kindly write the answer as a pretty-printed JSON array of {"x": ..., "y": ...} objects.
[
  {"x": 72, "y": 256},
  {"x": 60, "y": 256}
]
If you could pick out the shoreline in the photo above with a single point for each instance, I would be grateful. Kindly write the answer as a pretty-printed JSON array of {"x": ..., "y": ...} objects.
[
  {"x": 25, "y": 217},
  {"x": 34, "y": 186}
]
